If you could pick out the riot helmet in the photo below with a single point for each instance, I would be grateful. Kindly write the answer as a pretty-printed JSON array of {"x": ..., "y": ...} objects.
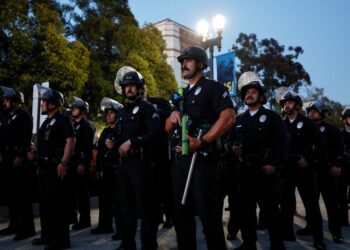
[
  {"x": 248, "y": 80},
  {"x": 110, "y": 104},
  {"x": 196, "y": 53},
  {"x": 12, "y": 94},
  {"x": 316, "y": 105},
  {"x": 51, "y": 96},
  {"x": 284, "y": 94},
  {"x": 79, "y": 103},
  {"x": 128, "y": 75},
  {"x": 345, "y": 113}
]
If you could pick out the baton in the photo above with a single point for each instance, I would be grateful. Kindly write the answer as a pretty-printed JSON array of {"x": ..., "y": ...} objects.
[{"x": 189, "y": 177}]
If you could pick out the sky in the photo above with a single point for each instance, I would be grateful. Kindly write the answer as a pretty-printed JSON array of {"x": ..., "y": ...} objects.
[{"x": 321, "y": 28}]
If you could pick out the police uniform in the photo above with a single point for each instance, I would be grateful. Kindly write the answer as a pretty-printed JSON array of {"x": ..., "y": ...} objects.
[
  {"x": 326, "y": 183},
  {"x": 262, "y": 136},
  {"x": 16, "y": 138},
  {"x": 303, "y": 136},
  {"x": 203, "y": 103},
  {"x": 107, "y": 162},
  {"x": 54, "y": 209},
  {"x": 344, "y": 182},
  {"x": 82, "y": 154},
  {"x": 161, "y": 159},
  {"x": 141, "y": 125}
]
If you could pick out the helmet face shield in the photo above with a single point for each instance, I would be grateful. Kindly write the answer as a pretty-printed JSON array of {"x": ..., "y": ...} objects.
[
  {"x": 14, "y": 95},
  {"x": 51, "y": 95},
  {"x": 248, "y": 80},
  {"x": 119, "y": 77},
  {"x": 284, "y": 94},
  {"x": 108, "y": 104},
  {"x": 345, "y": 113},
  {"x": 79, "y": 103}
]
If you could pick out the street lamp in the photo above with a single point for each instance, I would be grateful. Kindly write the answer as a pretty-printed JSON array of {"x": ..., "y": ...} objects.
[{"x": 211, "y": 42}]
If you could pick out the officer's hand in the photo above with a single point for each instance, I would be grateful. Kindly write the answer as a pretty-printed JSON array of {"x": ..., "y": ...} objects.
[
  {"x": 31, "y": 155},
  {"x": 193, "y": 143},
  {"x": 178, "y": 149},
  {"x": 81, "y": 169},
  {"x": 175, "y": 118},
  {"x": 302, "y": 163},
  {"x": 18, "y": 162},
  {"x": 237, "y": 150},
  {"x": 269, "y": 169},
  {"x": 61, "y": 171},
  {"x": 109, "y": 144},
  {"x": 124, "y": 148},
  {"x": 335, "y": 171}
]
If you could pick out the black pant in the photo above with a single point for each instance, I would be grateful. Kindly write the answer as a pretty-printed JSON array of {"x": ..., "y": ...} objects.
[
  {"x": 135, "y": 180},
  {"x": 54, "y": 208},
  {"x": 20, "y": 195},
  {"x": 258, "y": 187},
  {"x": 80, "y": 197},
  {"x": 109, "y": 205},
  {"x": 344, "y": 195},
  {"x": 328, "y": 187},
  {"x": 305, "y": 180},
  {"x": 204, "y": 199}
]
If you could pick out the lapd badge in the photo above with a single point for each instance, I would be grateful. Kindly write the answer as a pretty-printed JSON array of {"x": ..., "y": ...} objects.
[
  {"x": 322, "y": 129},
  {"x": 135, "y": 110},
  {"x": 262, "y": 118},
  {"x": 198, "y": 90},
  {"x": 300, "y": 125},
  {"x": 77, "y": 127},
  {"x": 53, "y": 121}
]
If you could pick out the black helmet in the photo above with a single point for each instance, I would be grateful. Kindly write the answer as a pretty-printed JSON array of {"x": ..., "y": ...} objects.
[
  {"x": 196, "y": 53},
  {"x": 108, "y": 104},
  {"x": 248, "y": 80},
  {"x": 132, "y": 77},
  {"x": 345, "y": 113},
  {"x": 79, "y": 103},
  {"x": 14, "y": 95},
  {"x": 284, "y": 94},
  {"x": 316, "y": 105},
  {"x": 51, "y": 95}
]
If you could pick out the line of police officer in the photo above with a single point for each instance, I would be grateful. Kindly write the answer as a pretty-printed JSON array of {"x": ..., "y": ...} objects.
[{"x": 271, "y": 157}]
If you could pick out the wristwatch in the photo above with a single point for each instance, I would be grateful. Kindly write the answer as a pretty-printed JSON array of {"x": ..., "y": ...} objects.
[{"x": 64, "y": 163}]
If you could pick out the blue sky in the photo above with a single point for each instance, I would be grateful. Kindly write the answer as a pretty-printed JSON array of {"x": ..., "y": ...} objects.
[{"x": 321, "y": 28}]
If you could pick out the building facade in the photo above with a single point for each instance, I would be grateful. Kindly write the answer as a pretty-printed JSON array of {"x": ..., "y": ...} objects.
[{"x": 177, "y": 37}]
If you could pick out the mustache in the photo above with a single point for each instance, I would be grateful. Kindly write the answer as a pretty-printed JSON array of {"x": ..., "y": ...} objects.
[{"x": 184, "y": 68}]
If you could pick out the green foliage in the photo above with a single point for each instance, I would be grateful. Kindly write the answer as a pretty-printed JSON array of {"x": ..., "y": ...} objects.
[
  {"x": 34, "y": 49},
  {"x": 275, "y": 65}
]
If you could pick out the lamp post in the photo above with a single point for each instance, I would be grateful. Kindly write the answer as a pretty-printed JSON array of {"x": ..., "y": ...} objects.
[{"x": 211, "y": 42}]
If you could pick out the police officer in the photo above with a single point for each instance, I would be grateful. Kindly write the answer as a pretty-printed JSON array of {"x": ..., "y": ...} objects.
[
  {"x": 140, "y": 128},
  {"x": 299, "y": 172},
  {"x": 55, "y": 144},
  {"x": 161, "y": 159},
  {"x": 260, "y": 145},
  {"x": 107, "y": 161},
  {"x": 344, "y": 182},
  {"x": 16, "y": 135},
  {"x": 328, "y": 172},
  {"x": 209, "y": 108},
  {"x": 79, "y": 166}
]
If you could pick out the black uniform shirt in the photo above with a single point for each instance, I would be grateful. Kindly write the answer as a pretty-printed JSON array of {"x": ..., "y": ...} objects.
[
  {"x": 140, "y": 123},
  {"x": 84, "y": 141},
  {"x": 334, "y": 142},
  {"x": 346, "y": 137},
  {"x": 205, "y": 101},
  {"x": 17, "y": 133},
  {"x": 304, "y": 139},
  {"x": 263, "y": 137},
  {"x": 52, "y": 136},
  {"x": 103, "y": 159}
]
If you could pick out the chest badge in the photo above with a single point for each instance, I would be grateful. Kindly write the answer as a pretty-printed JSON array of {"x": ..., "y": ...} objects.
[
  {"x": 53, "y": 121},
  {"x": 300, "y": 125},
  {"x": 198, "y": 90},
  {"x": 135, "y": 110},
  {"x": 262, "y": 118},
  {"x": 77, "y": 127},
  {"x": 322, "y": 129}
]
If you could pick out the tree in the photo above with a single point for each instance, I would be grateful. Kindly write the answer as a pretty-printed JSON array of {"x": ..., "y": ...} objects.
[
  {"x": 34, "y": 49},
  {"x": 110, "y": 31},
  {"x": 275, "y": 65}
]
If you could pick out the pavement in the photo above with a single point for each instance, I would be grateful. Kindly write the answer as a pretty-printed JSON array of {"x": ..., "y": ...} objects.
[{"x": 82, "y": 239}]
